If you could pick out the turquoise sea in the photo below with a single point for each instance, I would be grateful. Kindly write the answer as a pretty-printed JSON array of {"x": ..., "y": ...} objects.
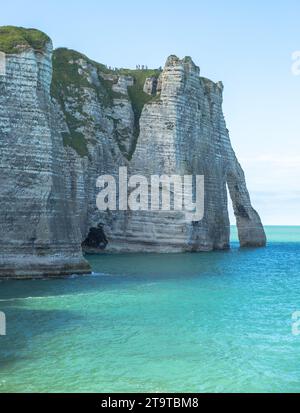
[{"x": 208, "y": 322}]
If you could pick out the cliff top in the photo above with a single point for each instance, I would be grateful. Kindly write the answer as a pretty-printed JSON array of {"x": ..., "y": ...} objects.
[
  {"x": 174, "y": 60},
  {"x": 16, "y": 39},
  {"x": 65, "y": 72}
]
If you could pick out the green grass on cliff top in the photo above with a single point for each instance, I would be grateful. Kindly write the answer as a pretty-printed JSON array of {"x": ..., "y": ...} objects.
[
  {"x": 65, "y": 74},
  {"x": 136, "y": 93},
  {"x": 15, "y": 39}
]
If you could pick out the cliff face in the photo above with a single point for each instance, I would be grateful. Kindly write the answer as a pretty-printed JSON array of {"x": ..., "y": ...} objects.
[
  {"x": 96, "y": 122},
  {"x": 55, "y": 144},
  {"x": 183, "y": 132},
  {"x": 39, "y": 233}
]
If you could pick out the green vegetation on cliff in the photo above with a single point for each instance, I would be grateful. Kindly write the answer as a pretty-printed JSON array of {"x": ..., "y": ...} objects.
[
  {"x": 68, "y": 81},
  {"x": 72, "y": 73},
  {"x": 76, "y": 141},
  {"x": 16, "y": 39},
  {"x": 136, "y": 93},
  {"x": 66, "y": 74},
  {"x": 70, "y": 78}
]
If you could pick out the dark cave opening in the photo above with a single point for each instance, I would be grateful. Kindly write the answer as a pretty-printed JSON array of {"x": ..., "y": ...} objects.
[{"x": 96, "y": 238}]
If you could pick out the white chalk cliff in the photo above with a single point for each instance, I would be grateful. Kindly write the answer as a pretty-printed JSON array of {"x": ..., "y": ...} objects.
[{"x": 56, "y": 141}]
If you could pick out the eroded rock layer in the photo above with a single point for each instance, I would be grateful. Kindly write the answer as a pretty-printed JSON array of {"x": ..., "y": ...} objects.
[
  {"x": 183, "y": 132},
  {"x": 39, "y": 233},
  {"x": 59, "y": 133}
]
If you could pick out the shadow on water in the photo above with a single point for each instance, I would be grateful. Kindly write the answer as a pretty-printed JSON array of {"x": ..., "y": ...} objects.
[
  {"x": 24, "y": 325},
  {"x": 112, "y": 271},
  {"x": 117, "y": 270},
  {"x": 30, "y": 317}
]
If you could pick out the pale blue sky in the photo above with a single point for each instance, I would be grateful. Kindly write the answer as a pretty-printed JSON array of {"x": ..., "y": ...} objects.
[{"x": 247, "y": 46}]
